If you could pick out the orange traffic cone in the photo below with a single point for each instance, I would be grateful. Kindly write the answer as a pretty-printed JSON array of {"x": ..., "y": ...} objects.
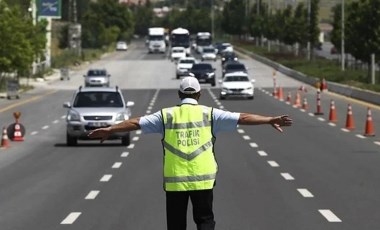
[
  {"x": 332, "y": 115},
  {"x": 17, "y": 136},
  {"x": 289, "y": 98},
  {"x": 369, "y": 129},
  {"x": 350, "y": 119},
  {"x": 280, "y": 94},
  {"x": 319, "y": 106},
  {"x": 324, "y": 85},
  {"x": 297, "y": 102},
  {"x": 305, "y": 105},
  {"x": 4, "y": 139}
]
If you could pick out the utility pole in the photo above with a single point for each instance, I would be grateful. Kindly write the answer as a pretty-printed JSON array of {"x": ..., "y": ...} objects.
[
  {"x": 342, "y": 39},
  {"x": 309, "y": 27},
  {"x": 212, "y": 20}
]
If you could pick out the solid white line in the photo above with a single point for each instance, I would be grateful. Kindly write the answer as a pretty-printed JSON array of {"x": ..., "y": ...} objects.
[
  {"x": 116, "y": 165},
  {"x": 329, "y": 215},
  {"x": 253, "y": 145},
  {"x": 71, "y": 218},
  {"x": 33, "y": 133},
  {"x": 304, "y": 192},
  {"x": 287, "y": 176},
  {"x": 321, "y": 119},
  {"x": 138, "y": 132},
  {"x": 345, "y": 130},
  {"x": 124, "y": 154},
  {"x": 45, "y": 127},
  {"x": 273, "y": 164},
  {"x": 332, "y": 124},
  {"x": 92, "y": 195},
  {"x": 131, "y": 146},
  {"x": 360, "y": 136},
  {"x": 55, "y": 121},
  {"x": 262, "y": 153},
  {"x": 240, "y": 130},
  {"x": 135, "y": 138},
  {"x": 245, "y": 137},
  {"x": 106, "y": 178}
]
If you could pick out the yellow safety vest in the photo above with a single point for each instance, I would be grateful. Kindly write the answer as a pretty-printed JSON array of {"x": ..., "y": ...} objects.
[{"x": 189, "y": 161}]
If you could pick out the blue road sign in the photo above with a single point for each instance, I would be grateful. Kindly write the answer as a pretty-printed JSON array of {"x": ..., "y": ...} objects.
[{"x": 49, "y": 8}]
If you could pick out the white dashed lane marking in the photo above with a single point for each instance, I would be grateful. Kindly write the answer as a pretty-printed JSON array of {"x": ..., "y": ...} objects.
[
  {"x": 240, "y": 130},
  {"x": 92, "y": 195},
  {"x": 262, "y": 153},
  {"x": 55, "y": 121},
  {"x": 131, "y": 146},
  {"x": 273, "y": 164},
  {"x": 329, "y": 215},
  {"x": 71, "y": 218},
  {"x": 245, "y": 137},
  {"x": 135, "y": 138},
  {"x": 106, "y": 178},
  {"x": 33, "y": 133},
  {"x": 138, "y": 132},
  {"x": 45, "y": 127},
  {"x": 253, "y": 145},
  {"x": 287, "y": 176},
  {"x": 305, "y": 193},
  {"x": 117, "y": 165},
  {"x": 124, "y": 154}
]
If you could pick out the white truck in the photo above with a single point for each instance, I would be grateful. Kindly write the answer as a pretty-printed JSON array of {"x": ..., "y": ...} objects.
[{"x": 156, "y": 40}]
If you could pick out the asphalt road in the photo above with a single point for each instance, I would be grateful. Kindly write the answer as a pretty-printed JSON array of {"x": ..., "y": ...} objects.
[{"x": 313, "y": 176}]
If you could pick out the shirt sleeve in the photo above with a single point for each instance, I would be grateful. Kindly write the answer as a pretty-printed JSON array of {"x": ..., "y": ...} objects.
[
  {"x": 224, "y": 120},
  {"x": 152, "y": 123}
]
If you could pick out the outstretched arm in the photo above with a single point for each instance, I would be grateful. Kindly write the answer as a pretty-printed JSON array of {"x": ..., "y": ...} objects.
[
  {"x": 125, "y": 126},
  {"x": 254, "y": 119}
]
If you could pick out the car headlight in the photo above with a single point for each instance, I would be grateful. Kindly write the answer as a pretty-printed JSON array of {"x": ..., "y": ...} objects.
[
  {"x": 235, "y": 58},
  {"x": 121, "y": 117},
  {"x": 211, "y": 74},
  {"x": 73, "y": 116},
  {"x": 223, "y": 59}
]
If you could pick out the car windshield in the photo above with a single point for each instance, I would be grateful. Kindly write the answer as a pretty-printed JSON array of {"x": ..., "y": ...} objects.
[
  {"x": 208, "y": 50},
  {"x": 235, "y": 67},
  {"x": 98, "y": 99},
  {"x": 236, "y": 78},
  {"x": 96, "y": 72},
  {"x": 187, "y": 61},
  {"x": 202, "y": 66},
  {"x": 178, "y": 51}
]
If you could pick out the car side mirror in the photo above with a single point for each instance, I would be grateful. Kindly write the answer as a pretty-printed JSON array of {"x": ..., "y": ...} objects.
[
  {"x": 130, "y": 103},
  {"x": 67, "y": 105},
  {"x": 84, "y": 75},
  {"x": 109, "y": 75},
  {"x": 214, "y": 69}
]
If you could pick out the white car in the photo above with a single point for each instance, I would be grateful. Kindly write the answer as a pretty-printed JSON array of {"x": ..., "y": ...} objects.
[
  {"x": 237, "y": 84},
  {"x": 184, "y": 65},
  {"x": 209, "y": 53},
  {"x": 177, "y": 53},
  {"x": 121, "y": 46}
]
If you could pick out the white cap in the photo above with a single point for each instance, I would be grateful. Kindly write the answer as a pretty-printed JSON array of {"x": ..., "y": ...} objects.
[{"x": 189, "y": 85}]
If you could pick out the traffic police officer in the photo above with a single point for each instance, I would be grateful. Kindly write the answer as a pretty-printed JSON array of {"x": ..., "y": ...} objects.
[{"x": 190, "y": 168}]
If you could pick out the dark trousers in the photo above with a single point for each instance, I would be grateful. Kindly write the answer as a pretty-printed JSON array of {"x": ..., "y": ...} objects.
[{"x": 176, "y": 209}]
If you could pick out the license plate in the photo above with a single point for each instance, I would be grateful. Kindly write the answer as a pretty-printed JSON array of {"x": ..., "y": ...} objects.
[
  {"x": 97, "y": 124},
  {"x": 202, "y": 80}
]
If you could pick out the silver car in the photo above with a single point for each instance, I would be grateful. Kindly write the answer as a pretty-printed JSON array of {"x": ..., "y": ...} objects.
[
  {"x": 95, "y": 107},
  {"x": 97, "y": 77}
]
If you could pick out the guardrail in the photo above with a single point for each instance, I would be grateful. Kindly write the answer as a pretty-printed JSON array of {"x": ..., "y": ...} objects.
[{"x": 349, "y": 91}]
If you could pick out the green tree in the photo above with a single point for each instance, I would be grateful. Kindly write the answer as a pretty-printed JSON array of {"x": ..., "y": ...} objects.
[
  {"x": 24, "y": 41},
  {"x": 233, "y": 21},
  {"x": 336, "y": 33},
  {"x": 101, "y": 17},
  {"x": 363, "y": 29}
]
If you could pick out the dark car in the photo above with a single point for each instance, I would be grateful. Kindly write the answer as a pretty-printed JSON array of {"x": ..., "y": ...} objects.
[
  {"x": 228, "y": 56},
  {"x": 204, "y": 72},
  {"x": 233, "y": 66}
]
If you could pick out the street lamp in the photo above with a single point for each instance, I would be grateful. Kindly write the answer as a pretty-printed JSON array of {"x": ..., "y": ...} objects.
[
  {"x": 342, "y": 38},
  {"x": 212, "y": 19},
  {"x": 308, "y": 23}
]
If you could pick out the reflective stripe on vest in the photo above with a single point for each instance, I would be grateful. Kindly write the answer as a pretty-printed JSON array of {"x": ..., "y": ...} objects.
[{"x": 189, "y": 162}]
